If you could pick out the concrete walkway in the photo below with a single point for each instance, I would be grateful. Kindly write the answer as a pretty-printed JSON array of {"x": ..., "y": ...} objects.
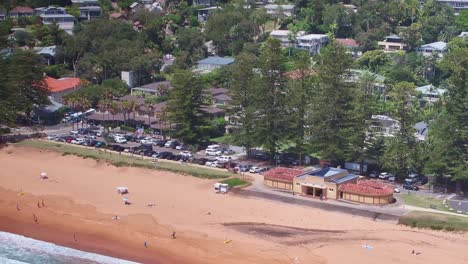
[{"x": 415, "y": 208}]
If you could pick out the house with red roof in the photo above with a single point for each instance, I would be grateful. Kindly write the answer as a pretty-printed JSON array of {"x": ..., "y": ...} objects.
[
  {"x": 368, "y": 192},
  {"x": 281, "y": 178},
  {"x": 60, "y": 87},
  {"x": 351, "y": 45},
  {"x": 21, "y": 11}
]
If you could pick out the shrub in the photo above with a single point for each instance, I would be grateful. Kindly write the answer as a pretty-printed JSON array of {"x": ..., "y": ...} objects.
[{"x": 436, "y": 227}]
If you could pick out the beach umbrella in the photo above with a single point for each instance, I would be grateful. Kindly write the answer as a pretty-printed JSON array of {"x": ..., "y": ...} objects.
[
  {"x": 125, "y": 199},
  {"x": 43, "y": 174}
]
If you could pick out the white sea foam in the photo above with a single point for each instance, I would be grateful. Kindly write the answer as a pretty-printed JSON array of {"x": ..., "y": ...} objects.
[{"x": 16, "y": 249}]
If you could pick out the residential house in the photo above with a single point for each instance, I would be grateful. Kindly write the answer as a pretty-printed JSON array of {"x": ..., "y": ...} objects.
[
  {"x": 351, "y": 7},
  {"x": 285, "y": 37},
  {"x": 21, "y": 11},
  {"x": 439, "y": 48},
  {"x": 90, "y": 12},
  {"x": 203, "y": 2},
  {"x": 430, "y": 94},
  {"x": 205, "y": 13},
  {"x": 457, "y": 5},
  {"x": 351, "y": 45},
  {"x": 382, "y": 125},
  {"x": 48, "y": 54},
  {"x": 280, "y": 10},
  {"x": 60, "y": 87},
  {"x": 311, "y": 42},
  {"x": 213, "y": 62},
  {"x": 392, "y": 43},
  {"x": 2, "y": 14},
  {"x": 377, "y": 81},
  {"x": 220, "y": 96},
  {"x": 58, "y": 15},
  {"x": 156, "y": 88},
  {"x": 463, "y": 34}
]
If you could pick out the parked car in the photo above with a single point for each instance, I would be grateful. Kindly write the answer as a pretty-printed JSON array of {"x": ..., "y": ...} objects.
[
  {"x": 374, "y": 174},
  {"x": 79, "y": 141},
  {"x": 165, "y": 155},
  {"x": 396, "y": 190},
  {"x": 411, "y": 187},
  {"x": 255, "y": 169},
  {"x": 218, "y": 164},
  {"x": 422, "y": 180},
  {"x": 74, "y": 132},
  {"x": 412, "y": 178},
  {"x": 260, "y": 156},
  {"x": 100, "y": 144},
  {"x": 385, "y": 175},
  {"x": 392, "y": 178},
  {"x": 147, "y": 140},
  {"x": 224, "y": 158},
  {"x": 181, "y": 147},
  {"x": 171, "y": 144},
  {"x": 243, "y": 168},
  {"x": 120, "y": 140},
  {"x": 213, "y": 150},
  {"x": 186, "y": 154},
  {"x": 228, "y": 151},
  {"x": 116, "y": 148},
  {"x": 159, "y": 143},
  {"x": 52, "y": 137}
]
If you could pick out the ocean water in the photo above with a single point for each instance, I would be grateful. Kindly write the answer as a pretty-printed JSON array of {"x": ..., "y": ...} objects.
[{"x": 16, "y": 249}]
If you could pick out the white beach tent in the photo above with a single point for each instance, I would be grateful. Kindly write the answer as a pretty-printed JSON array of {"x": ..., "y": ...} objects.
[
  {"x": 122, "y": 190},
  {"x": 43, "y": 175}
]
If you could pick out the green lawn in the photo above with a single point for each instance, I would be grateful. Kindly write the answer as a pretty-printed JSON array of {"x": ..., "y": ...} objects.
[
  {"x": 424, "y": 201},
  {"x": 226, "y": 139},
  {"x": 125, "y": 160},
  {"x": 234, "y": 182},
  {"x": 434, "y": 221}
]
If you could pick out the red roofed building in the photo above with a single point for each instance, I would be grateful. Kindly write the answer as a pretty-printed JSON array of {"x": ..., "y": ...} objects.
[
  {"x": 61, "y": 87},
  {"x": 369, "y": 192},
  {"x": 21, "y": 11},
  {"x": 351, "y": 45},
  {"x": 281, "y": 178}
]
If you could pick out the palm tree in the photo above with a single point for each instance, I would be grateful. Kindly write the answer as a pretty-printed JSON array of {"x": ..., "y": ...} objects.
[
  {"x": 82, "y": 103},
  {"x": 114, "y": 108},
  {"x": 126, "y": 108},
  {"x": 150, "y": 104}
]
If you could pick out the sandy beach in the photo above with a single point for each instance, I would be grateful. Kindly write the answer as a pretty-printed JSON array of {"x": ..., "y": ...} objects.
[{"x": 80, "y": 201}]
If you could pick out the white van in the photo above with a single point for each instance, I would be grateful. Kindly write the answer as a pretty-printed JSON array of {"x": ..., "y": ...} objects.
[{"x": 213, "y": 150}]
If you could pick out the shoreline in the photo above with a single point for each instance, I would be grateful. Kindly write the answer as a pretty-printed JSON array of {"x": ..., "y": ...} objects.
[{"x": 61, "y": 228}]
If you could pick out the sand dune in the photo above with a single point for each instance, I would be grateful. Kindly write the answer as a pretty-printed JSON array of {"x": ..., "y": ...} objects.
[{"x": 81, "y": 198}]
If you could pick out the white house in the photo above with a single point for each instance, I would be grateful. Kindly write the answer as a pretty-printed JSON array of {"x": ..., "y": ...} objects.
[
  {"x": 439, "y": 48},
  {"x": 58, "y": 15},
  {"x": 311, "y": 42},
  {"x": 463, "y": 34},
  {"x": 284, "y": 36},
  {"x": 383, "y": 125},
  {"x": 430, "y": 93},
  {"x": 392, "y": 43},
  {"x": 214, "y": 62},
  {"x": 280, "y": 10}
]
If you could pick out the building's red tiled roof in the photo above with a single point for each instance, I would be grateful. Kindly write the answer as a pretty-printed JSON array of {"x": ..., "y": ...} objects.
[
  {"x": 350, "y": 43},
  {"x": 298, "y": 74},
  {"x": 22, "y": 9},
  {"x": 367, "y": 188},
  {"x": 282, "y": 174},
  {"x": 58, "y": 85}
]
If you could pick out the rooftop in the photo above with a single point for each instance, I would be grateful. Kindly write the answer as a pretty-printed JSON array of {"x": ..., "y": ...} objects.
[
  {"x": 284, "y": 7},
  {"x": 22, "y": 9},
  {"x": 217, "y": 60},
  {"x": 324, "y": 172},
  {"x": 58, "y": 85},
  {"x": 282, "y": 174},
  {"x": 312, "y": 36},
  {"x": 439, "y": 45},
  {"x": 51, "y": 50},
  {"x": 154, "y": 86},
  {"x": 371, "y": 188},
  {"x": 345, "y": 179},
  {"x": 218, "y": 91},
  {"x": 430, "y": 90},
  {"x": 349, "y": 43}
]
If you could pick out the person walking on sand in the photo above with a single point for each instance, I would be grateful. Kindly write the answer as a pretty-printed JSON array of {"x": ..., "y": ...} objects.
[
  {"x": 38, "y": 204},
  {"x": 43, "y": 204},
  {"x": 35, "y": 219},
  {"x": 17, "y": 207},
  {"x": 74, "y": 237},
  {"x": 173, "y": 235},
  {"x": 146, "y": 245}
]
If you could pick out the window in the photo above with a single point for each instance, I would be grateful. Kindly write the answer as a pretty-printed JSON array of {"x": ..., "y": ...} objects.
[{"x": 331, "y": 189}]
